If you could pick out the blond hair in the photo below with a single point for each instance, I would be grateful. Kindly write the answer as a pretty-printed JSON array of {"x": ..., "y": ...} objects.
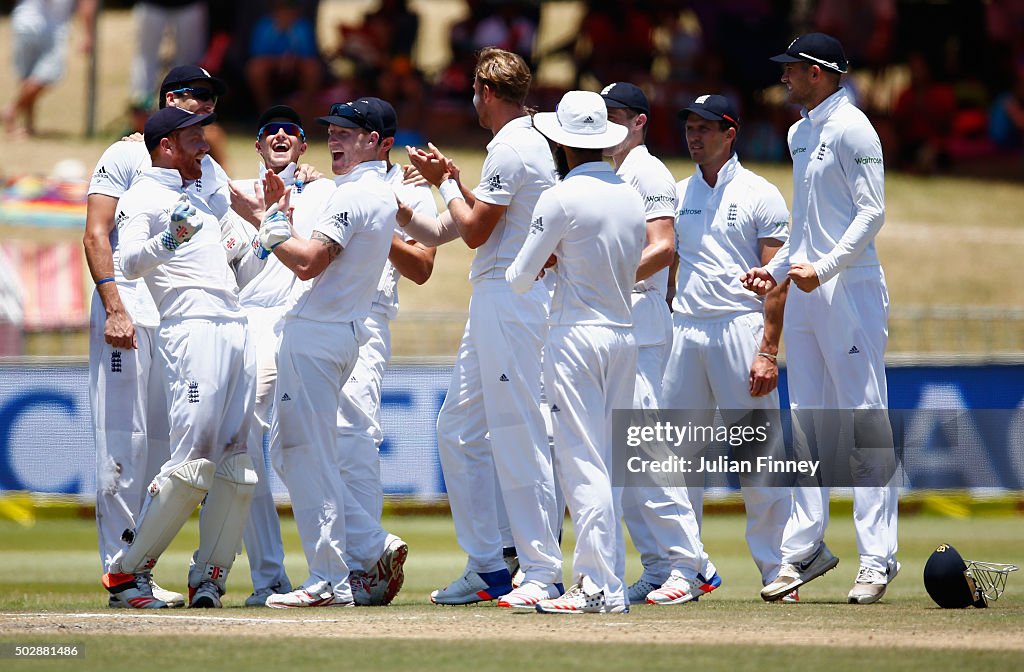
[{"x": 505, "y": 72}]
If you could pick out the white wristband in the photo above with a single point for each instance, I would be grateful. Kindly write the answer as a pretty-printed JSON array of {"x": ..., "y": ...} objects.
[{"x": 449, "y": 191}]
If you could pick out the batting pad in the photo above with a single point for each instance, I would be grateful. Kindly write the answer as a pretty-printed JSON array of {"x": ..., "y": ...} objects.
[
  {"x": 222, "y": 520},
  {"x": 167, "y": 510}
]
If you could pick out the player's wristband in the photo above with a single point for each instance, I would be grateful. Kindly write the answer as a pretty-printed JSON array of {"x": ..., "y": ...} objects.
[
  {"x": 449, "y": 191},
  {"x": 768, "y": 355},
  {"x": 103, "y": 281}
]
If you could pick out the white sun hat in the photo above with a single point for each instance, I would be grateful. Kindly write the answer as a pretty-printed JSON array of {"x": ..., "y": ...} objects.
[{"x": 580, "y": 120}]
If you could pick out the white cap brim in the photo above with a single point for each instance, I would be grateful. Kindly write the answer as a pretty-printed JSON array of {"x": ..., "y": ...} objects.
[{"x": 547, "y": 123}]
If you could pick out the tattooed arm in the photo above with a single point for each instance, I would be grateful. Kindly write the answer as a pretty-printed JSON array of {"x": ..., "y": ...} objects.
[{"x": 308, "y": 258}]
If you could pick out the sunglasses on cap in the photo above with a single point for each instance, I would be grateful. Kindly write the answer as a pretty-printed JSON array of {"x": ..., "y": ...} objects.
[
  {"x": 274, "y": 127},
  {"x": 346, "y": 111},
  {"x": 201, "y": 94}
]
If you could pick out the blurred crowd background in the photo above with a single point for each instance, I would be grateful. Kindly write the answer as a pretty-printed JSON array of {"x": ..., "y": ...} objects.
[{"x": 943, "y": 80}]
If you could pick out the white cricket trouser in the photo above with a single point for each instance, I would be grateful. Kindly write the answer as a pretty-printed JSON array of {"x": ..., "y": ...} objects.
[
  {"x": 209, "y": 368},
  {"x": 495, "y": 392},
  {"x": 836, "y": 337},
  {"x": 589, "y": 371},
  {"x": 314, "y": 360},
  {"x": 709, "y": 368},
  {"x": 359, "y": 430},
  {"x": 129, "y": 414},
  {"x": 188, "y": 24},
  {"x": 263, "y": 544},
  {"x": 660, "y": 520}
]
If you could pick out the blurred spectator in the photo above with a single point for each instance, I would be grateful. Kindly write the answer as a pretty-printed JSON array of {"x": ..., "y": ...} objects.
[
  {"x": 865, "y": 27},
  {"x": 456, "y": 78},
  {"x": 923, "y": 117},
  {"x": 615, "y": 43},
  {"x": 187, "y": 21},
  {"x": 1006, "y": 119},
  {"x": 511, "y": 26},
  {"x": 283, "y": 58},
  {"x": 40, "y": 44}
]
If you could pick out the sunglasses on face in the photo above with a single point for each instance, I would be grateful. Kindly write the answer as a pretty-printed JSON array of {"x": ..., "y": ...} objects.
[
  {"x": 274, "y": 127},
  {"x": 200, "y": 94},
  {"x": 346, "y": 111}
]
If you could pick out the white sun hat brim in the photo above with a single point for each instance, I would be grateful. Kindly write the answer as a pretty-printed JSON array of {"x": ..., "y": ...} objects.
[{"x": 547, "y": 123}]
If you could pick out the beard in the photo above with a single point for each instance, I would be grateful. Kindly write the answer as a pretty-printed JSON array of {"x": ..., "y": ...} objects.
[{"x": 561, "y": 162}]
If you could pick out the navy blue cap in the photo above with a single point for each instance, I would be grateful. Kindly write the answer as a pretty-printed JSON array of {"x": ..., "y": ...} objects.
[
  {"x": 356, "y": 114},
  {"x": 626, "y": 95},
  {"x": 166, "y": 121},
  {"x": 713, "y": 108},
  {"x": 183, "y": 74},
  {"x": 817, "y": 48},
  {"x": 278, "y": 112},
  {"x": 388, "y": 116}
]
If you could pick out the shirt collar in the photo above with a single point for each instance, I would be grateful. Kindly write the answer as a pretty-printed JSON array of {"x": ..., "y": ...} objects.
[
  {"x": 725, "y": 173},
  {"x": 287, "y": 175},
  {"x": 824, "y": 110},
  {"x": 524, "y": 121},
  {"x": 168, "y": 177},
  {"x": 363, "y": 168}
]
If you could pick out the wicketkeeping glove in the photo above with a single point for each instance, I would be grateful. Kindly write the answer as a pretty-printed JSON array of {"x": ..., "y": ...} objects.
[
  {"x": 274, "y": 230},
  {"x": 184, "y": 224}
]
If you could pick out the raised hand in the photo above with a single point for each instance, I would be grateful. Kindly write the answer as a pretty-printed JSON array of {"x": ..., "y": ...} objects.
[{"x": 185, "y": 223}]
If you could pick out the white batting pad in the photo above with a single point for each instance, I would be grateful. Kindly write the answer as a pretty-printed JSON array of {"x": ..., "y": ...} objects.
[{"x": 222, "y": 520}]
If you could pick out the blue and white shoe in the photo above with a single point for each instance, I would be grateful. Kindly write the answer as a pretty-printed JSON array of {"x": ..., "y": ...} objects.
[
  {"x": 678, "y": 590},
  {"x": 472, "y": 587}
]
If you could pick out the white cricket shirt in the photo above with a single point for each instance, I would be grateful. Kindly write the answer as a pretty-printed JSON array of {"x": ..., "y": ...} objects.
[
  {"x": 274, "y": 284},
  {"x": 193, "y": 281},
  {"x": 117, "y": 170},
  {"x": 360, "y": 216},
  {"x": 717, "y": 234},
  {"x": 517, "y": 170},
  {"x": 421, "y": 200},
  {"x": 594, "y": 223},
  {"x": 838, "y": 190},
  {"x": 655, "y": 184}
]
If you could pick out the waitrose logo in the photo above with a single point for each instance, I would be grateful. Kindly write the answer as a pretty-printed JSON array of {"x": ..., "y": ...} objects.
[{"x": 868, "y": 160}]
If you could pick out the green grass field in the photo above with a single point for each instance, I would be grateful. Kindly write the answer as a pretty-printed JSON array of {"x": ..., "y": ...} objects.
[{"x": 52, "y": 595}]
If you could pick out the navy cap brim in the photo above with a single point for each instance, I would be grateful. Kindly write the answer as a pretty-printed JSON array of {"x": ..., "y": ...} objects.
[
  {"x": 339, "y": 121},
  {"x": 279, "y": 112},
  {"x": 786, "y": 58},
  {"x": 706, "y": 114}
]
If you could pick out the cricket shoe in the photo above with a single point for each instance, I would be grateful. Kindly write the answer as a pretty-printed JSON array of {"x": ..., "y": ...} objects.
[
  {"x": 529, "y": 593},
  {"x": 677, "y": 590},
  {"x": 577, "y": 601},
  {"x": 173, "y": 599},
  {"x": 511, "y": 558},
  {"x": 871, "y": 584},
  {"x": 792, "y": 597},
  {"x": 389, "y": 571},
  {"x": 472, "y": 587},
  {"x": 258, "y": 598},
  {"x": 204, "y": 596},
  {"x": 639, "y": 589},
  {"x": 127, "y": 591},
  {"x": 792, "y": 576},
  {"x": 303, "y": 598}
]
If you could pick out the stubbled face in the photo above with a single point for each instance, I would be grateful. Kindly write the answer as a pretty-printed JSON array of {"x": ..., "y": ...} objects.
[
  {"x": 623, "y": 117},
  {"x": 188, "y": 148},
  {"x": 480, "y": 105},
  {"x": 797, "y": 79},
  {"x": 349, "y": 147},
  {"x": 190, "y": 104},
  {"x": 280, "y": 148},
  {"x": 708, "y": 144}
]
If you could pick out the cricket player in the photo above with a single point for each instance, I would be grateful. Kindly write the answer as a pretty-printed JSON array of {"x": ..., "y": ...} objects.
[
  {"x": 592, "y": 223},
  {"x": 660, "y": 520},
  {"x": 125, "y": 390},
  {"x": 359, "y": 429},
  {"x": 726, "y": 340},
  {"x": 207, "y": 362},
  {"x": 836, "y": 323},
  {"x": 491, "y": 417},
  {"x": 319, "y": 346},
  {"x": 280, "y": 143}
]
